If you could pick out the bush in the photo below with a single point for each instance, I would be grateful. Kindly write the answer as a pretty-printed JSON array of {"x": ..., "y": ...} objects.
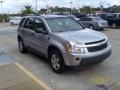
[{"x": 4, "y": 18}]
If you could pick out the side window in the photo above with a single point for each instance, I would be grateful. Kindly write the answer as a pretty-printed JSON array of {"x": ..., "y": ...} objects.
[
  {"x": 21, "y": 22},
  {"x": 88, "y": 19},
  {"x": 119, "y": 16},
  {"x": 114, "y": 16},
  {"x": 85, "y": 19},
  {"x": 29, "y": 23},
  {"x": 39, "y": 24}
]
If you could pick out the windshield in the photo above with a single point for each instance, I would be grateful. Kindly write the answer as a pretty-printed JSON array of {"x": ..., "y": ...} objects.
[{"x": 63, "y": 24}]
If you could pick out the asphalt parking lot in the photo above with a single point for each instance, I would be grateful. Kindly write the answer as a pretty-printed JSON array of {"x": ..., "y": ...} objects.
[{"x": 99, "y": 77}]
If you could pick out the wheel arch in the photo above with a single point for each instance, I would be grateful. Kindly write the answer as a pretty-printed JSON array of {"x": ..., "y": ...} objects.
[{"x": 53, "y": 47}]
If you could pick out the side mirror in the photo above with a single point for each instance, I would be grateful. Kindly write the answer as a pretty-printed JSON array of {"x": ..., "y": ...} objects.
[{"x": 40, "y": 30}]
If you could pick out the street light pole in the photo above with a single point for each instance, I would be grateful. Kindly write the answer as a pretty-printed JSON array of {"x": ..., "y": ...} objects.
[{"x": 1, "y": 2}]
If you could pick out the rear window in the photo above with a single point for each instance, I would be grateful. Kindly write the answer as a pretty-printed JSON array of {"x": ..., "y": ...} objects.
[{"x": 21, "y": 22}]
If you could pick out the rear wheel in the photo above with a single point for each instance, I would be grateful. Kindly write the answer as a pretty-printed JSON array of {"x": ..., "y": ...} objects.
[
  {"x": 91, "y": 27},
  {"x": 21, "y": 46},
  {"x": 56, "y": 61}
]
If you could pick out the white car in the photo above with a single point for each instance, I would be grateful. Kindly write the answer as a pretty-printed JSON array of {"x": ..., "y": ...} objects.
[{"x": 15, "y": 21}]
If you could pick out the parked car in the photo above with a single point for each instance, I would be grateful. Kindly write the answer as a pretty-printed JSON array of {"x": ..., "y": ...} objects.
[
  {"x": 94, "y": 23},
  {"x": 63, "y": 40},
  {"x": 114, "y": 20},
  {"x": 80, "y": 15},
  {"x": 15, "y": 20},
  {"x": 104, "y": 15}
]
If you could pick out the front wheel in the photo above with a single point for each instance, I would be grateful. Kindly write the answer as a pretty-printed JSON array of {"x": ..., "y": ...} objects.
[
  {"x": 56, "y": 61},
  {"x": 114, "y": 25},
  {"x": 21, "y": 46},
  {"x": 11, "y": 23}
]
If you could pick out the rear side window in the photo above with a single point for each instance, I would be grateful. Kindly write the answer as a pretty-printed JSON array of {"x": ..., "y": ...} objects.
[
  {"x": 29, "y": 23},
  {"x": 21, "y": 22},
  {"x": 119, "y": 16}
]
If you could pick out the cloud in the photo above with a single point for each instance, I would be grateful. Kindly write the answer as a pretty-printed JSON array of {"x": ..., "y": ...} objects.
[{"x": 14, "y": 6}]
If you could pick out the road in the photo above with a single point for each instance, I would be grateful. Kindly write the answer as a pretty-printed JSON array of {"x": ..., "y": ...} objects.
[{"x": 106, "y": 74}]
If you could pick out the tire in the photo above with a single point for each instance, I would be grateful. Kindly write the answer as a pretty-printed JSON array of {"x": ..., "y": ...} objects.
[
  {"x": 21, "y": 46},
  {"x": 56, "y": 61},
  {"x": 114, "y": 25},
  {"x": 102, "y": 29},
  {"x": 91, "y": 27},
  {"x": 12, "y": 23}
]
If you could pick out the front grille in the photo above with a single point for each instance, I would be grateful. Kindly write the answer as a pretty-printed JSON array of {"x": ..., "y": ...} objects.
[
  {"x": 95, "y": 42},
  {"x": 97, "y": 48}
]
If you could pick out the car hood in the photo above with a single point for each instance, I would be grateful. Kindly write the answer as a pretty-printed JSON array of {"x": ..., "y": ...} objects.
[{"x": 82, "y": 36}]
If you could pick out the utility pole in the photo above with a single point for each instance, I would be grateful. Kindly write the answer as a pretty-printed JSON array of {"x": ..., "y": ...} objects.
[
  {"x": 1, "y": 2},
  {"x": 36, "y": 5},
  {"x": 71, "y": 7},
  {"x": 101, "y": 5}
]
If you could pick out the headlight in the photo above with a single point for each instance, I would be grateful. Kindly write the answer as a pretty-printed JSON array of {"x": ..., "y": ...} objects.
[
  {"x": 99, "y": 23},
  {"x": 72, "y": 47}
]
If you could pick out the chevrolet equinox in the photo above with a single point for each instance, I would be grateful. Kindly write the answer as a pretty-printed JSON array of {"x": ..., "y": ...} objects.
[{"x": 63, "y": 40}]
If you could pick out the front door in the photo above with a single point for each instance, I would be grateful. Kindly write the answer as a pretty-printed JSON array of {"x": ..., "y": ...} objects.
[{"x": 40, "y": 40}]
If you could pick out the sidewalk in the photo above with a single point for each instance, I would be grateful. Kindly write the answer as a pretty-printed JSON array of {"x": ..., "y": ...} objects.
[
  {"x": 4, "y": 26},
  {"x": 14, "y": 78}
]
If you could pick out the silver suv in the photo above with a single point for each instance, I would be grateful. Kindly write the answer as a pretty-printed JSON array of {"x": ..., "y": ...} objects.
[
  {"x": 94, "y": 23},
  {"x": 63, "y": 40}
]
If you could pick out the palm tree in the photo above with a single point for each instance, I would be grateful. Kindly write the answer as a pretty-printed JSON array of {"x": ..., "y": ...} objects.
[{"x": 27, "y": 10}]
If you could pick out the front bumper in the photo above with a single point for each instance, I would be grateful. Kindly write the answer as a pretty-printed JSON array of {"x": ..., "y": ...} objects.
[
  {"x": 89, "y": 58},
  {"x": 95, "y": 59},
  {"x": 102, "y": 26}
]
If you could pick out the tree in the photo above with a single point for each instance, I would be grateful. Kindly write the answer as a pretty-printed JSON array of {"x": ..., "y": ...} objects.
[
  {"x": 86, "y": 9},
  {"x": 27, "y": 10},
  {"x": 4, "y": 18},
  {"x": 42, "y": 11}
]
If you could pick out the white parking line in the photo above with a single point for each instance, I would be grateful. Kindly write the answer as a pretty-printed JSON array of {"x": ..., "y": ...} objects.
[{"x": 38, "y": 81}]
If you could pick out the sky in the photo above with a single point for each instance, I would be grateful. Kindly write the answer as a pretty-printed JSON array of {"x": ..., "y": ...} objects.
[{"x": 15, "y": 6}]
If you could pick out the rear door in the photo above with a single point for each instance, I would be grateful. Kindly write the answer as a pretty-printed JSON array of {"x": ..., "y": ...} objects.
[{"x": 28, "y": 31}]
